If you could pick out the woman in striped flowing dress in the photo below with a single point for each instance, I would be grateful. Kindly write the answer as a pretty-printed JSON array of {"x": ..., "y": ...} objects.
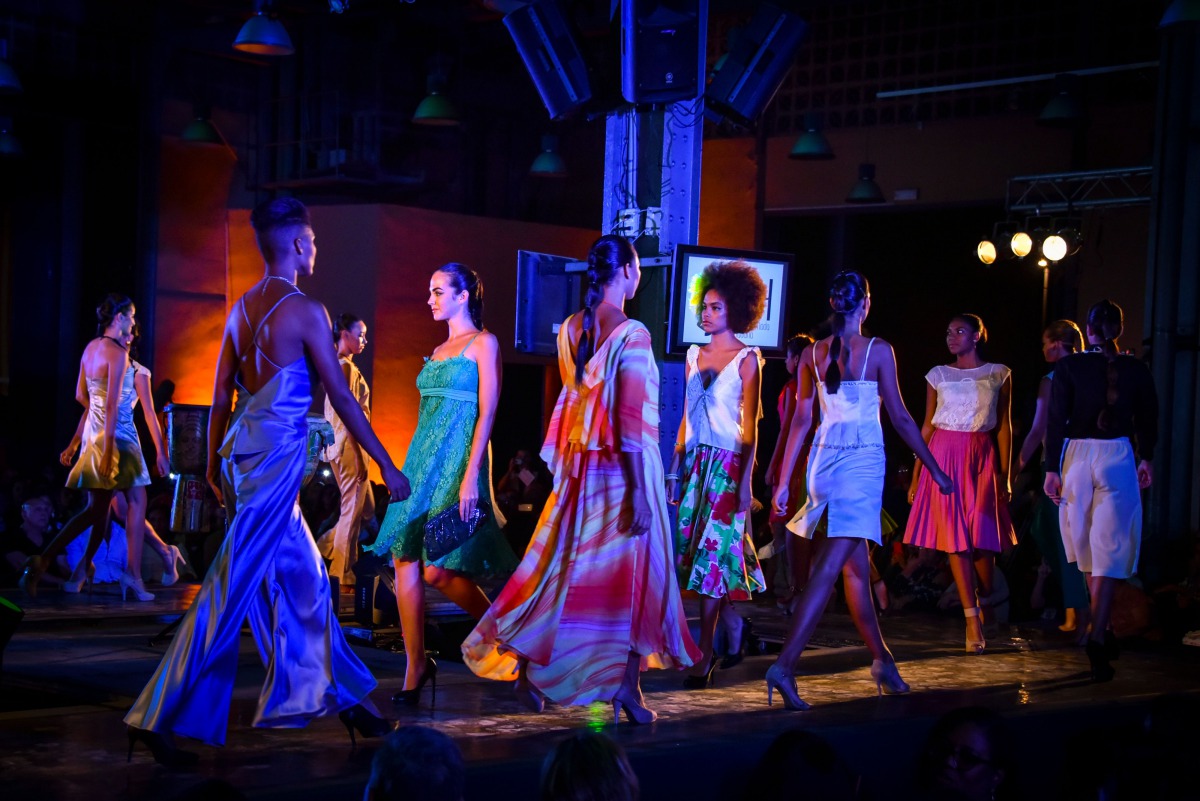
[{"x": 595, "y": 600}]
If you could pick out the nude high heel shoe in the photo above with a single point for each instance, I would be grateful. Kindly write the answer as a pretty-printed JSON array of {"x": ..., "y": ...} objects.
[
  {"x": 75, "y": 586},
  {"x": 128, "y": 582},
  {"x": 171, "y": 564}
]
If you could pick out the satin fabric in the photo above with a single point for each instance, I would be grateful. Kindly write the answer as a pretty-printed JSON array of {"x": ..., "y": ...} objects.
[
  {"x": 267, "y": 571},
  {"x": 131, "y": 467}
]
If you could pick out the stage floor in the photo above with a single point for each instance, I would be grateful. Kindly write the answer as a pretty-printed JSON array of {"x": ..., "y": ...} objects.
[{"x": 77, "y": 662}]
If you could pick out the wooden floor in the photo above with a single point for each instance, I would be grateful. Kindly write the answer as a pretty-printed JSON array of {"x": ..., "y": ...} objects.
[{"x": 77, "y": 662}]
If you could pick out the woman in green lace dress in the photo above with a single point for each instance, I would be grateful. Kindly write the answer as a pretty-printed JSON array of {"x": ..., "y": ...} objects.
[{"x": 448, "y": 465}]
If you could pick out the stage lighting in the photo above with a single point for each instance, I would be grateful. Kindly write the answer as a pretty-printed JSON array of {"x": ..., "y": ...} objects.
[
  {"x": 1065, "y": 109},
  {"x": 986, "y": 251},
  {"x": 1021, "y": 244},
  {"x": 1062, "y": 244}
]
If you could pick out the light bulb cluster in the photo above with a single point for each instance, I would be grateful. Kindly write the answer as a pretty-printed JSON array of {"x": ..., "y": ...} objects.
[{"x": 1050, "y": 240}]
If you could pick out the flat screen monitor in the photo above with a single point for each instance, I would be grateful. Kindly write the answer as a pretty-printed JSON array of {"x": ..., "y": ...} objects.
[{"x": 690, "y": 260}]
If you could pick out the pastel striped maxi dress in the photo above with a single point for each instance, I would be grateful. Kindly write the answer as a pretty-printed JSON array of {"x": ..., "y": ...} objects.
[{"x": 586, "y": 594}]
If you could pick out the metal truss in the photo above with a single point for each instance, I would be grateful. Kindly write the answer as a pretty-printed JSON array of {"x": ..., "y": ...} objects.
[{"x": 1068, "y": 192}]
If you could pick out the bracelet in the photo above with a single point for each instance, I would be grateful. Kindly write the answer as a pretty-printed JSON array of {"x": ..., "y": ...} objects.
[{"x": 671, "y": 476}]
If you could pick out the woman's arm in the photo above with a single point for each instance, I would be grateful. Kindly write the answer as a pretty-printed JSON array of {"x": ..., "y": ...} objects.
[
  {"x": 1037, "y": 428},
  {"x": 926, "y": 427},
  {"x": 68, "y": 455},
  {"x": 785, "y": 422},
  {"x": 222, "y": 404},
  {"x": 751, "y": 380},
  {"x": 628, "y": 420},
  {"x": 889, "y": 390},
  {"x": 1004, "y": 436},
  {"x": 798, "y": 429},
  {"x": 485, "y": 350},
  {"x": 141, "y": 382}
]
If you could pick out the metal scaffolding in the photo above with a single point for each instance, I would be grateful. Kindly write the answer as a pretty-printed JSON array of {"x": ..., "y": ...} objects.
[{"x": 1068, "y": 192}]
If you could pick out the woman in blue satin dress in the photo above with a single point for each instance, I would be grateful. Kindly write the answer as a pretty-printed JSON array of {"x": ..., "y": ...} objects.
[
  {"x": 268, "y": 570},
  {"x": 449, "y": 464}
]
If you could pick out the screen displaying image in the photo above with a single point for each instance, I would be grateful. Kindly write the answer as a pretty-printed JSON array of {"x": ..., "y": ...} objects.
[{"x": 690, "y": 261}]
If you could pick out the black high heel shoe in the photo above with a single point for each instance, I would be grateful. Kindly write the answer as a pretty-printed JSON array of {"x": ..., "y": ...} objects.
[
  {"x": 735, "y": 658},
  {"x": 703, "y": 682},
  {"x": 368, "y": 724},
  {"x": 165, "y": 753},
  {"x": 413, "y": 697}
]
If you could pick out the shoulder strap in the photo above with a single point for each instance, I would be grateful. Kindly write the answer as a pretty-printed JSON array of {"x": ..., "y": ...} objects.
[
  {"x": 863, "y": 375},
  {"x": 472, "y": 339},
  {"x": 256, "y": 329}
]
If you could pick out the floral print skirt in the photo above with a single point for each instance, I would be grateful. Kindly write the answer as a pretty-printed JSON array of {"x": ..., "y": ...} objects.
[{"x": 714, "y": 552}]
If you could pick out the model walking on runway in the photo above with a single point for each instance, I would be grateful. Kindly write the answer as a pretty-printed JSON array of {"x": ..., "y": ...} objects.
[{"x": 845, "y": 477}]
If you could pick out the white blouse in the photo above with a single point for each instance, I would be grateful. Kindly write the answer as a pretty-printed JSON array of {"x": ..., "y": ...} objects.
[
  {"x": 714, "y": 413},
  {"x": 967, "y": 398}
]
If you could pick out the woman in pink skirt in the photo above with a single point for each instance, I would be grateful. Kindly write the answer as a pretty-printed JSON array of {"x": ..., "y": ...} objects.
[{"x": 965, "y": 404}]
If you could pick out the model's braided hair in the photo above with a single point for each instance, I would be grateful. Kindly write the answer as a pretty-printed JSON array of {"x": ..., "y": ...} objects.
[
  {"x": 607, "y": 256},
  {"x": 1107, "y": 320},
  {"x": 847, "y": 292}
]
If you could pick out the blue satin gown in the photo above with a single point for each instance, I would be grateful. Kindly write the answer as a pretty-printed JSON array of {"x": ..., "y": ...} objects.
[{"x": 269, "y": 571}]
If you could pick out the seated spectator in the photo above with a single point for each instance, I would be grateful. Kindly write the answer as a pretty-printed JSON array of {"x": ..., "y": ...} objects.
[
  {"x": 970, "y": 755},
  {"x": 28, "y": 539},
  {"x": 916, "y": 577},
  {"x": 416, "y": 763},
  {"x": 801, "y": 765},
  {"x": 588, "y": 767},
  {"x": 521, "y": 493}
]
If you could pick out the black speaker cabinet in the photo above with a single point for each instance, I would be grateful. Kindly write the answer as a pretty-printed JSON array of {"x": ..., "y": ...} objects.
[
  {"x": 757, "y": 64},
  {"x": 661, "y": 50},
  {"x": 551, "y": 55}
]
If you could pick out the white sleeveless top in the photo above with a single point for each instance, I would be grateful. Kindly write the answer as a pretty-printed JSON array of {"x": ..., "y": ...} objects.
[
  {"x": 714, "y": 414},
  {"x": 850, "y": 416},
  {"x": 967, "y": 398}
]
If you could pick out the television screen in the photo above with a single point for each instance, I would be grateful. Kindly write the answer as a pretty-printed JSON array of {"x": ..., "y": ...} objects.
[{"x": 690, "y": 260}]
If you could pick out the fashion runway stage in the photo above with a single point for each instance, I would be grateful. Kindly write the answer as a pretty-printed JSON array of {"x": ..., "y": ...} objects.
[{"x": 77, "y": 662}]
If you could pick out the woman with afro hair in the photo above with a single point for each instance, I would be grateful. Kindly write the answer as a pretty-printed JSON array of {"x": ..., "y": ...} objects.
[{"x": 715, "y": 448}]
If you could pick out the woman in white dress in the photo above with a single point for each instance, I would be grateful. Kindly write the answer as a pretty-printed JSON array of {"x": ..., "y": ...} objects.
[{"x": 845, "y": 477}]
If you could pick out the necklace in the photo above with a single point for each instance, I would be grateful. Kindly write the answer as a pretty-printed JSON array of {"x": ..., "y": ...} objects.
[
  {"x": 281, "y": 278},
  {"x": 111, "y": 339}
]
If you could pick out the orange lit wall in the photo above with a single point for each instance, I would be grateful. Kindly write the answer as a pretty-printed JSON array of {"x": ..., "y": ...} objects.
[{"x": 191, "y": 275}]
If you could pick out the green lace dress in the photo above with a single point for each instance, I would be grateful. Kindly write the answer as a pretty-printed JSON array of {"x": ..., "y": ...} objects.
[{"x": 434, "y": 466}]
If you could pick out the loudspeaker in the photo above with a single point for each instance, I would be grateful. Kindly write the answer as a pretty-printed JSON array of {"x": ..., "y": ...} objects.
[
  {"x": 661, "y": 50},
  {"x": 758, "y": 60},
  {"x": 550, "y": 54}
]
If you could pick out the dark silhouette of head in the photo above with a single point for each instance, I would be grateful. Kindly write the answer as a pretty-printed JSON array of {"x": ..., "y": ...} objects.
[{"x": 588, "y": 767}]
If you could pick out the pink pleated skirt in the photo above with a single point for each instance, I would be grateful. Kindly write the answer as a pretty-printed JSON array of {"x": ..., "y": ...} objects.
[{"x": 973, "y": 517}]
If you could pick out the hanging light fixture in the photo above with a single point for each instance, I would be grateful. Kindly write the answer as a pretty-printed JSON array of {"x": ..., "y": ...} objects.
[
  {"x": 264, "y": 35},
  {"x": 436, "y": 108},
  {"x": 549, "y": 164},
  {"x": 812, "y": 144},
  {"x": 202, "y": 131},
  {"x": 865, "y": 190},
  {"x": 1065, "y": 109},
  {"x": 1021, "y": 244},
  {"x": 1181, "y": 12}
]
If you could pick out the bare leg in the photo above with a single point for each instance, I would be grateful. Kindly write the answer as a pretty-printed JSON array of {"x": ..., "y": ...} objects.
[
  {"x": 410, "y": 600},
  {"x": 857, "y": 576},
  {"x": 710, "y": 610},
  {"x": 458, "y": 588},
  {"x": 830, "y": 557},
  {"x": 94, "y": 514},
  {"x": 800, "y": 555},
  {"x": 135, "y": 530},
  {"x": 963, "y": 568},
  {"x": 985, "y": 572},
  {"x": 629, "y": 694}
]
